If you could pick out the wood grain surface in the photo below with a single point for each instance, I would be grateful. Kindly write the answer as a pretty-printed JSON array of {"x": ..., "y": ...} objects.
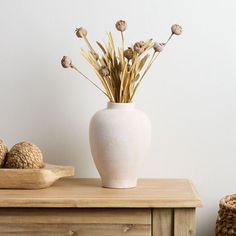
[
  {"x": 33, "y": 178},
  {"x": 80, "y": 222},
  {"x": 88, "y": 193}
]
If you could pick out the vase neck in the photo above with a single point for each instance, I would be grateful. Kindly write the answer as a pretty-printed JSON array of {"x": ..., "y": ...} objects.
[{"x": 120, "y": 106}]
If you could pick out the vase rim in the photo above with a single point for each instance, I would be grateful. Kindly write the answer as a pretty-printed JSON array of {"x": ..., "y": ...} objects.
[{"x": 120, "y": 105}]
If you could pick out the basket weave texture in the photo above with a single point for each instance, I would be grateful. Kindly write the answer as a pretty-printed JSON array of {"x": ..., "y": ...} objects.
[{"x": 226, "y": 220}]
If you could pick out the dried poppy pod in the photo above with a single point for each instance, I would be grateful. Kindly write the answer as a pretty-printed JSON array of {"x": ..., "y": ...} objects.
[
  {"x": 139, "y": 47},
  {"x": 104, "y": 71},
  {"x": 81, "y": 32},
  {"x": 158, "y": 47},
  {"x": 121, "y": 25},
  {"x": 66, "y": 62},
  {"x": 24, "y": 155},
  {"x": 176, "y": 29},
  {"x": 3, "y": 152},
  {"x": 128, "y": 53}
]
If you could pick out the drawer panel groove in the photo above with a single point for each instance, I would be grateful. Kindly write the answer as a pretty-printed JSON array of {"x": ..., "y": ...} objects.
[
  {"x": 74, "y": 230},
  {"x": 75, "y": 222}
]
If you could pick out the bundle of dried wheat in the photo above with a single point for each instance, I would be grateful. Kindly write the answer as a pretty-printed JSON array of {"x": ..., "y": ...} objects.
[{"x": 120, "y": 71}]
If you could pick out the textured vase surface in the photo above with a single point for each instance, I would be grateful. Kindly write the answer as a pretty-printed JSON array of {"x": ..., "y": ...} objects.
[{"x": 120, "y": 138}]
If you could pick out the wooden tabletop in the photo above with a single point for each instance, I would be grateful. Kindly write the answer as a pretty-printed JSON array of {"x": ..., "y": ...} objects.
[{"x": 88, "y": 193}]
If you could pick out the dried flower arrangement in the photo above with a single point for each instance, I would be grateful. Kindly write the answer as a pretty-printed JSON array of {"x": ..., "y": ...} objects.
[{"x": 121, "y": 71}]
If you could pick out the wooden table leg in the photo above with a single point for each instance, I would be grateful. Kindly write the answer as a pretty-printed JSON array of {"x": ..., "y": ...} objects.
[
  {"x": 184, "y": 222},
  {"x": 162, "y": 222},
  {"x": 173, "y": 222}
]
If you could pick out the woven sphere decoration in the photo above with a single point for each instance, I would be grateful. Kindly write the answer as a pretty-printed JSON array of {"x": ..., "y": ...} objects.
[
  {"x": 24, "y": 155},
  {"x": 3, "y": 152},
  {"x": 226, "y": 220}
]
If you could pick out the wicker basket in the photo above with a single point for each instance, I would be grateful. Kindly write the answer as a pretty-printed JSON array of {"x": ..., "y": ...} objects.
[{"x": 226, "y": 220}]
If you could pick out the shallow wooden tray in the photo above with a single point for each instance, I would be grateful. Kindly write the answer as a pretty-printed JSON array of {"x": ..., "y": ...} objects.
[{"x": 33, "y": 178}]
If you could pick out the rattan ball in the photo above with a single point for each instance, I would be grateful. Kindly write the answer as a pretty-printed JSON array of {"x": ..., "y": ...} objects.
[
  {"x": 3, "y": 152},
  {"x": 24, "y": 155},
  {"x": 226, "y": 220}
]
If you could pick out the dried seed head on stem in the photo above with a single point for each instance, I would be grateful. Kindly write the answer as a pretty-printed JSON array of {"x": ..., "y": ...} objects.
[
  {"x": 128, "y": 53},
  {"x": 158, "y": 47},
  {"x": 66, "y": 62},
  {"x": 120, "y": 73},
  {"x": 121, "y": 25},
  {"x": 139, "y": 47},
  {"x": 104, "y": 71},
  {"x": 74, "y": 67},
  {"x": 154, "y": 57},
  {"x": 176, "y": 29},
  {"x": 81, "y": 32}
]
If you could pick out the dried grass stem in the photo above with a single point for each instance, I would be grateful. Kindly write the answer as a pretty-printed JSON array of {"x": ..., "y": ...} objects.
[{"x": 82, "y": 74}]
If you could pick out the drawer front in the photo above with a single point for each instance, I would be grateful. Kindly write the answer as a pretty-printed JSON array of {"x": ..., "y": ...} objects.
[{"x": 75, "y": 222}]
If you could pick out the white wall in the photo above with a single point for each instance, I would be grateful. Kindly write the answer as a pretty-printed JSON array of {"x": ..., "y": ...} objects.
[{"x": 189, "y": 94}]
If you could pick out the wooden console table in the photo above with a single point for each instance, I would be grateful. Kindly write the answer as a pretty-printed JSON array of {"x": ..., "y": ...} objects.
[{"x": 80, "y": 207}]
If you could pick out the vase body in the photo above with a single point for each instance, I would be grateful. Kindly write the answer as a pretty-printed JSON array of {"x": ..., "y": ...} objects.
[{"x": 120, "y": 138}]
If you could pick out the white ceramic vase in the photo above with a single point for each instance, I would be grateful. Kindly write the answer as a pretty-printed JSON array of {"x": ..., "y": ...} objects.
[{"x": 120, "y": 138}]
